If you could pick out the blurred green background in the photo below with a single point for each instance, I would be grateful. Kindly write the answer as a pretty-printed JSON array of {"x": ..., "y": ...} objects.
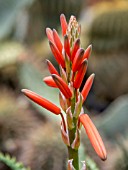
[{"x": 32, "y": 134}]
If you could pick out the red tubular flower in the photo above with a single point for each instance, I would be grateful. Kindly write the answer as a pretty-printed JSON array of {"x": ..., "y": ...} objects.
[
  {"x": 51, "y": 68},
  {"x": 57, "y": 41},
  {"x": 77, "y": 60},
  {"x": 49, "y": 34},
  {"x": 67, "y": 46},
  {"x": 75, "y": 48},
  {"x": 50, "y": 82},
  {"x": 58, "y": 56},
  {"x": 64, "y": 24},
  {"x": 42, "y": 101},
  {"x": 87, "y": 86},
  {"x": 80, "y": 75},
  {"x": 93, "y": 136},
  {"x": 87, "y": 52},
  {"x": 62, "y": 86}
]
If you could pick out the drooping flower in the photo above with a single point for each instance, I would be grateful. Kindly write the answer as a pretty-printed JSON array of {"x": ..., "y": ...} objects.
[
  {"x": 42, "y": 101},
  {"x": 93, "y": 136}
]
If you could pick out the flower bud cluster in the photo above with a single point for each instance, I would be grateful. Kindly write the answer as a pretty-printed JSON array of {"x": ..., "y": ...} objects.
[{"x": 73, "y": 62}]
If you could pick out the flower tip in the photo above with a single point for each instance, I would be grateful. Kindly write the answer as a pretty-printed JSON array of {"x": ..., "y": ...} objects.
[
  {"x": 62, "y": 15},
  {"x": 93, "y": 75},
  {"x": 90, "y": 46},
  {"x": 49, "y": 81},
  {"x": 105, "y": 158},
  {"x": 24, "y": 91},
  {"x": 47, "y": 29},
  {"x": 47, "y": 61}
]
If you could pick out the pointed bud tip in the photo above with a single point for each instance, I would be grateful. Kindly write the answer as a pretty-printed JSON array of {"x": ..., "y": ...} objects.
[
  {"x": 47, "y": 29},
  {"x": 93, "y": 75},
  {"x": 62, "y": 15},
  {"x": 23, "y": 90},
  {"x": 104, "y": 159},
  {"x": 90, "y": 46},
  {"x": 47, "y": 61}
]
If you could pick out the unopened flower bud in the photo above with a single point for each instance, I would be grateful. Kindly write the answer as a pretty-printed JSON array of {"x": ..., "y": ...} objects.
[
  {"x": 64, "y": 24},
  {"x": 75, "y": 49},
  {"x": 78, "y": 59},
  {"x": 62, "y": 86},
  {"x": 80, "y": 74},
  {"x": 49, "y": 34},
  {"x": 93, "y": 136},
  {"x": 50, "y": 82},
  {"x": 57, "y": 40},
  {"x": 67, "y": 46},
  {"x": 51, "y": 68},
  {"x": 87, "y": 52}
]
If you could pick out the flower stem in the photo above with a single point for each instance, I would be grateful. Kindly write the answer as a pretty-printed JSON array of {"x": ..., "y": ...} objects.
[{"x": 73, "y": 153}]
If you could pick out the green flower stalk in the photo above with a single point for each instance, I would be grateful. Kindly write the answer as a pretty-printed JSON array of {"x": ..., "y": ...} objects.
[{"x": 73, "y": 61}]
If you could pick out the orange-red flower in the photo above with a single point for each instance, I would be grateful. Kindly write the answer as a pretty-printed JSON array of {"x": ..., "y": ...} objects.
[
  {"x": 57, "y": 41},
  {"x": 58, "y": 56},
  {"x": 62, "y": 86},
  {"x": 87, "y": 52},
  {"x": 49, "y": 34},
  {"x": 75, "y": 48},
  {"x": 87, "y": 86},
  {"x": 80, "y": 75},
  {"x": 51, "y": 68},
  {"x": 67, "y": 46},
  {"x": 42, "y": 101},
  {"x": 93, "y": 136},
  {"x": 77, "y": 60},
  {"x": 64, "y": 24},
  {"x": 50, "y": 82}
]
